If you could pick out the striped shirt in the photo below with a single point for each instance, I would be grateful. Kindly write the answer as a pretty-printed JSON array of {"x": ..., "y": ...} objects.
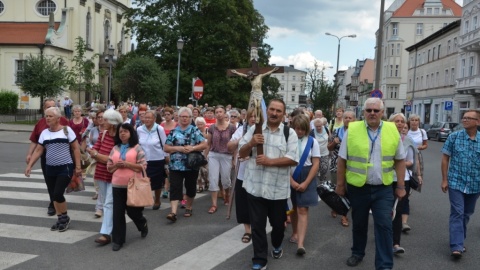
[
  {"x": 269, "y": 182},
  {"x": 464, "y": 168},
  {"x": 57, "y": 146},
  {"x": 104, "y": 148}
]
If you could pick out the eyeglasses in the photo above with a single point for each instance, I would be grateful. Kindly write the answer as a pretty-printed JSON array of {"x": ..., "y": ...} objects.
[
  {"x": 469, "y": 119},
  {"x": 370, "y": 110},
  {"x": 184, "y": 116},
  {"x": 233, "y": 116}
]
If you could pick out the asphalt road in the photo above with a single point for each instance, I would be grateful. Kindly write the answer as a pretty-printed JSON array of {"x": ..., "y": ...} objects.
[{"x": 207, "y": 241}]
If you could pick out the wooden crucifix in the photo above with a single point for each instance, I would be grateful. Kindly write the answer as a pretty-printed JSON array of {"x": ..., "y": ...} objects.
[{"x": 255, "y": 74}]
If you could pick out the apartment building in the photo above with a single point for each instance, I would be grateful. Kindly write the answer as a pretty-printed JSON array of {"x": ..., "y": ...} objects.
[
  {"x": 432, "y": 72},
  {"x": 292, "y": 86},
  {"x": 407, "y": 22},
  {"x": 468, "y": 75},
  {"x": 26, "y": 27}
]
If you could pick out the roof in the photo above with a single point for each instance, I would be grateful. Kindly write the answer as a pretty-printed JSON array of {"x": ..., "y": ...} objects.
[
  {"x": 292, "y": 69},
  {"x": 451, "y": 26},
  {"x": 28, "y": 33},
  {"x": 408, "y": 8}
]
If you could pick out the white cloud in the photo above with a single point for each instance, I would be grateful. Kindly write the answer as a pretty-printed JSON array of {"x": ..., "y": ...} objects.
[
  {"x": 301, "y": 60},
  {"x": 280, "y": 32}
]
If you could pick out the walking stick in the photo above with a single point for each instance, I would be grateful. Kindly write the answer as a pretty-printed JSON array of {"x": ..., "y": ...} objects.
[{"x": 232, "y": 191}]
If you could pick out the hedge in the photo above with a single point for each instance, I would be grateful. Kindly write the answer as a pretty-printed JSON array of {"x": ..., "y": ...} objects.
[{"x": 8, "y": 101}]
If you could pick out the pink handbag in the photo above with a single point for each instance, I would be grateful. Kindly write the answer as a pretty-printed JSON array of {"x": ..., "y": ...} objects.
[{"x": 139, "y": 191}]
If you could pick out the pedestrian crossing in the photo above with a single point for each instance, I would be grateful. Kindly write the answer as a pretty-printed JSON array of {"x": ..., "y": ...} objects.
[{"x": 23, "y": 202}]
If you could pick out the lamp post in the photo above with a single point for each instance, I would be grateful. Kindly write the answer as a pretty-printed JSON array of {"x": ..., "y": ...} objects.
[
  {"x": 180, "y": 43},
  {"x": 338, "y": 51},
  {"x": 111, "y": 58}
]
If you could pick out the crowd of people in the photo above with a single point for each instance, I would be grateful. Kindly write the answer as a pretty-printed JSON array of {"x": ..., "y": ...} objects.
[{"x": 264, "y": 170}]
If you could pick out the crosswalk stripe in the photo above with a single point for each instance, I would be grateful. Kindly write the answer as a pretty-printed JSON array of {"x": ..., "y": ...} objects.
[
  {"x": 37, "y": 170},
  {"x": 43, "y": 197},
  {"x": 9, "y": 259},
  {"x": 28, "y": 211},
  {"x": 42, "y": 234},
  {"x": 206, "y": 257},
  {"x": 21, "y": 175},
  {"x": 34, "y": 185}
]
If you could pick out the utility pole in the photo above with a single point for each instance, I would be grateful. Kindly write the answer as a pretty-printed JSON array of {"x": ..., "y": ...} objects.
[{"x": 378, "y": 56}]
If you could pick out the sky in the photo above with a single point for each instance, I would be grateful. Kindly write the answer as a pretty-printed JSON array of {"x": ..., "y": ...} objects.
[{"x": 297, "y": 31}]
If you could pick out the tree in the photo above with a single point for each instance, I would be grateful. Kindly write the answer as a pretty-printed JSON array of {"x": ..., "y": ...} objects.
[
  {"x": 82, "y": 75},
  {"x": 141, "y": 79},
  {"x": 43, "y": 77},
  {"x": 217, "y": 34},
  {"x": 323, "y": 94}
]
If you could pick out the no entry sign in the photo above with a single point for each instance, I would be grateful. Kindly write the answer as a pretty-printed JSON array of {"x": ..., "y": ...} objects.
[{"x": 197, "y": 89}]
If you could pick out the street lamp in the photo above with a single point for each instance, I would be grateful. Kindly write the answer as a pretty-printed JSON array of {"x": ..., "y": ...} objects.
[
  {"x": 338, "y": 52},
  {"x": 110, "y": 58},
  {"x": 180, "y": 43}
]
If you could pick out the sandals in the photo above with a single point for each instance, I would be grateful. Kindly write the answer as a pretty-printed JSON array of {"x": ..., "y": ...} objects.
[
  {"x": 456, "y": 254},
  {"x": 246, "y": 238},
  {"x": 188, "y": 213},
  {"x": 199, "y": 189},
  {"x": 334, "y": 214},
  {"x": 212, "y": 209},
  {"x": 344, "y": 221},
  {"x": 293, "y": 240},
  {"x": 172, "y": 217}
]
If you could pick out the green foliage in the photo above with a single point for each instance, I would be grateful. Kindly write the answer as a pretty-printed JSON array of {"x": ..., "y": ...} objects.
[
  {"x": 43, "y": 76},
  {"x": 9, "y": 101},
  {"x": 141, "y": 79},
  {"x": 82, "y": 75},
  {"x": 217, "y": 34},
  {"x": 323, "y": 94}
]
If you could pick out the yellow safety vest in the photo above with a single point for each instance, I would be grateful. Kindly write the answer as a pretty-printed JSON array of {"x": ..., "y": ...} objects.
[{"x": 358, "y": 151}]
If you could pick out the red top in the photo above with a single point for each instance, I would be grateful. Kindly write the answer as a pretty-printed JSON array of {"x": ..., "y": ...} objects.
[
  {"x": 103, "y": 148},
  {"x": 41, "y": 126},
  {"x": 167, "y": 131},
  {"x": 79, "y": 128},
  {"x": 210, "y": 122}
]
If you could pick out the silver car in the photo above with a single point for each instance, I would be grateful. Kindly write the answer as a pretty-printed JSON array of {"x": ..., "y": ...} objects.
[{"x": 440, "y": 130}]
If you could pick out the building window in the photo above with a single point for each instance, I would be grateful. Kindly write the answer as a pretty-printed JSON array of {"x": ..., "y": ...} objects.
[
  {"x": 294, "y": 78},
  {"x": 463, "y": 68},
  {"x": 282, "y": 87},
  {"x": 431, "y": 80},
  {"x": 452, "y": 74},
  {"x": 474, "y": 22},
  {"x": 427, "y": 81},
  {"x": 293, "y": 87},
  {"x": 470, "y": 68},
  {"x": 293, "y": 98},
  {"x": 429, "y": 11},
  {"x": 449, "y": 43},
  {"x": 433, "y": 54},
  {"x": 391, "y": 70},
  {"x": 419, "y": 28},
  {"x": 2, "y": 7},
  {"x": 106, "y": 30},
  {"x": 392, "y": 92},
  {"x": 447, "y": 78},
  {"x": 438, "y": 52},
  {"x": 465, "y": 27},
  {"x": 19, "y": 66},
  {"x": 88, "y": 39},
  {"x": 396, "y": 71},
  {"x": 283, "y": 77},
  {"x": 398, "y": 48},
  {"x": 437, "y": 77},
  {"x": 422, "y": 12},
  {"x": 428, "y": 56},
  {"x": 436, "y": 11},
  {"x": 394, "y": 29},
  {"x": 45, "y": 7},
  {"x": 421, "y": 83}
]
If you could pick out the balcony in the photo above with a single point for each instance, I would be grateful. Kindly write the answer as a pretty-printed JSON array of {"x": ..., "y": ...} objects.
[
  {"x": 468, "y": 85},
  {"x": 470, "y": 41},
  {"x": 347, "y": 97},
  {"x": 353, "y": 102}
]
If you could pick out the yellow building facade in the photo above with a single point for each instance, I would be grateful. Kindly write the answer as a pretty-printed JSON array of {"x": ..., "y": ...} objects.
[{"x": 26, "y": 27}]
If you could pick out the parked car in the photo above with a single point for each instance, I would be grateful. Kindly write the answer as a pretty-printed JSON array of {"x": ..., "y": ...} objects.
[{"x": 440, "y": 130}]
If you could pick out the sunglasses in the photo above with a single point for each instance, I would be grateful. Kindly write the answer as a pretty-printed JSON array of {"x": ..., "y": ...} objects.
[
  {"x": 233, "y": 116},
  {"x": 370, "y": 110}
]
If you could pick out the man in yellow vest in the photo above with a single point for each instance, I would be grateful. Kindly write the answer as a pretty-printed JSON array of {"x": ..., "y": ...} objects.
[{"x": 370, "y": 152}]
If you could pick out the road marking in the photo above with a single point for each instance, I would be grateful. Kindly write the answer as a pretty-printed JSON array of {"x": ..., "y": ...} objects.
[
  {"x": 9, "y": 259},
  {"x": 37, "y": 170},
  {"x": 34, "y": 185},
  {"x": 42, "y": 234},
  {"x": 29, "y": 196},
  {"x": 21, "y": 175},
  {"x": 206, "y": 256}
]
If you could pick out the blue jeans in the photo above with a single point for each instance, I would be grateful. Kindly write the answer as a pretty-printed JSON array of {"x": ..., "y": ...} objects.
[
  {"x": 380, "y": 200},
  {"x": 462, "y": 207},
  {"x": 105, "y": 193}
]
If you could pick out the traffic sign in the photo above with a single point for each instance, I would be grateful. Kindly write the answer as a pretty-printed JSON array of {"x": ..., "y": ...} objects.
[
  {"x": 197, "y": 89},
  {"x": 408, "y": 103},
  {"x": 408, "y": 108},
  {"x": 448, "y": 105},
  {"x": 376, "y": 93}
]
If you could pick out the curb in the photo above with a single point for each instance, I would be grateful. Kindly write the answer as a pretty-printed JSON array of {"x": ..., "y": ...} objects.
[{"x": 15, "y": 130}]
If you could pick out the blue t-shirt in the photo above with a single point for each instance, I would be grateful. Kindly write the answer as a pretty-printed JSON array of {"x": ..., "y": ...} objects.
[{"x": 178, "y": 137}]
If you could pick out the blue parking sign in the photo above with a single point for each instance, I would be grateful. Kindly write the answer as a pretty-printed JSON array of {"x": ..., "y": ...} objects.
[
  {"x": 408, "y": 108},
  {"x": 448, "y": 105}
]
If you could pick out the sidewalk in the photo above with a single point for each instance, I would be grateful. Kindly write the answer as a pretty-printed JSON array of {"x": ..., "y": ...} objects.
[{"x": 16, "y": 128}]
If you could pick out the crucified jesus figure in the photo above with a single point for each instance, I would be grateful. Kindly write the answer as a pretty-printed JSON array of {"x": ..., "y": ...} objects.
[{"x": 256, "y": 95}]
